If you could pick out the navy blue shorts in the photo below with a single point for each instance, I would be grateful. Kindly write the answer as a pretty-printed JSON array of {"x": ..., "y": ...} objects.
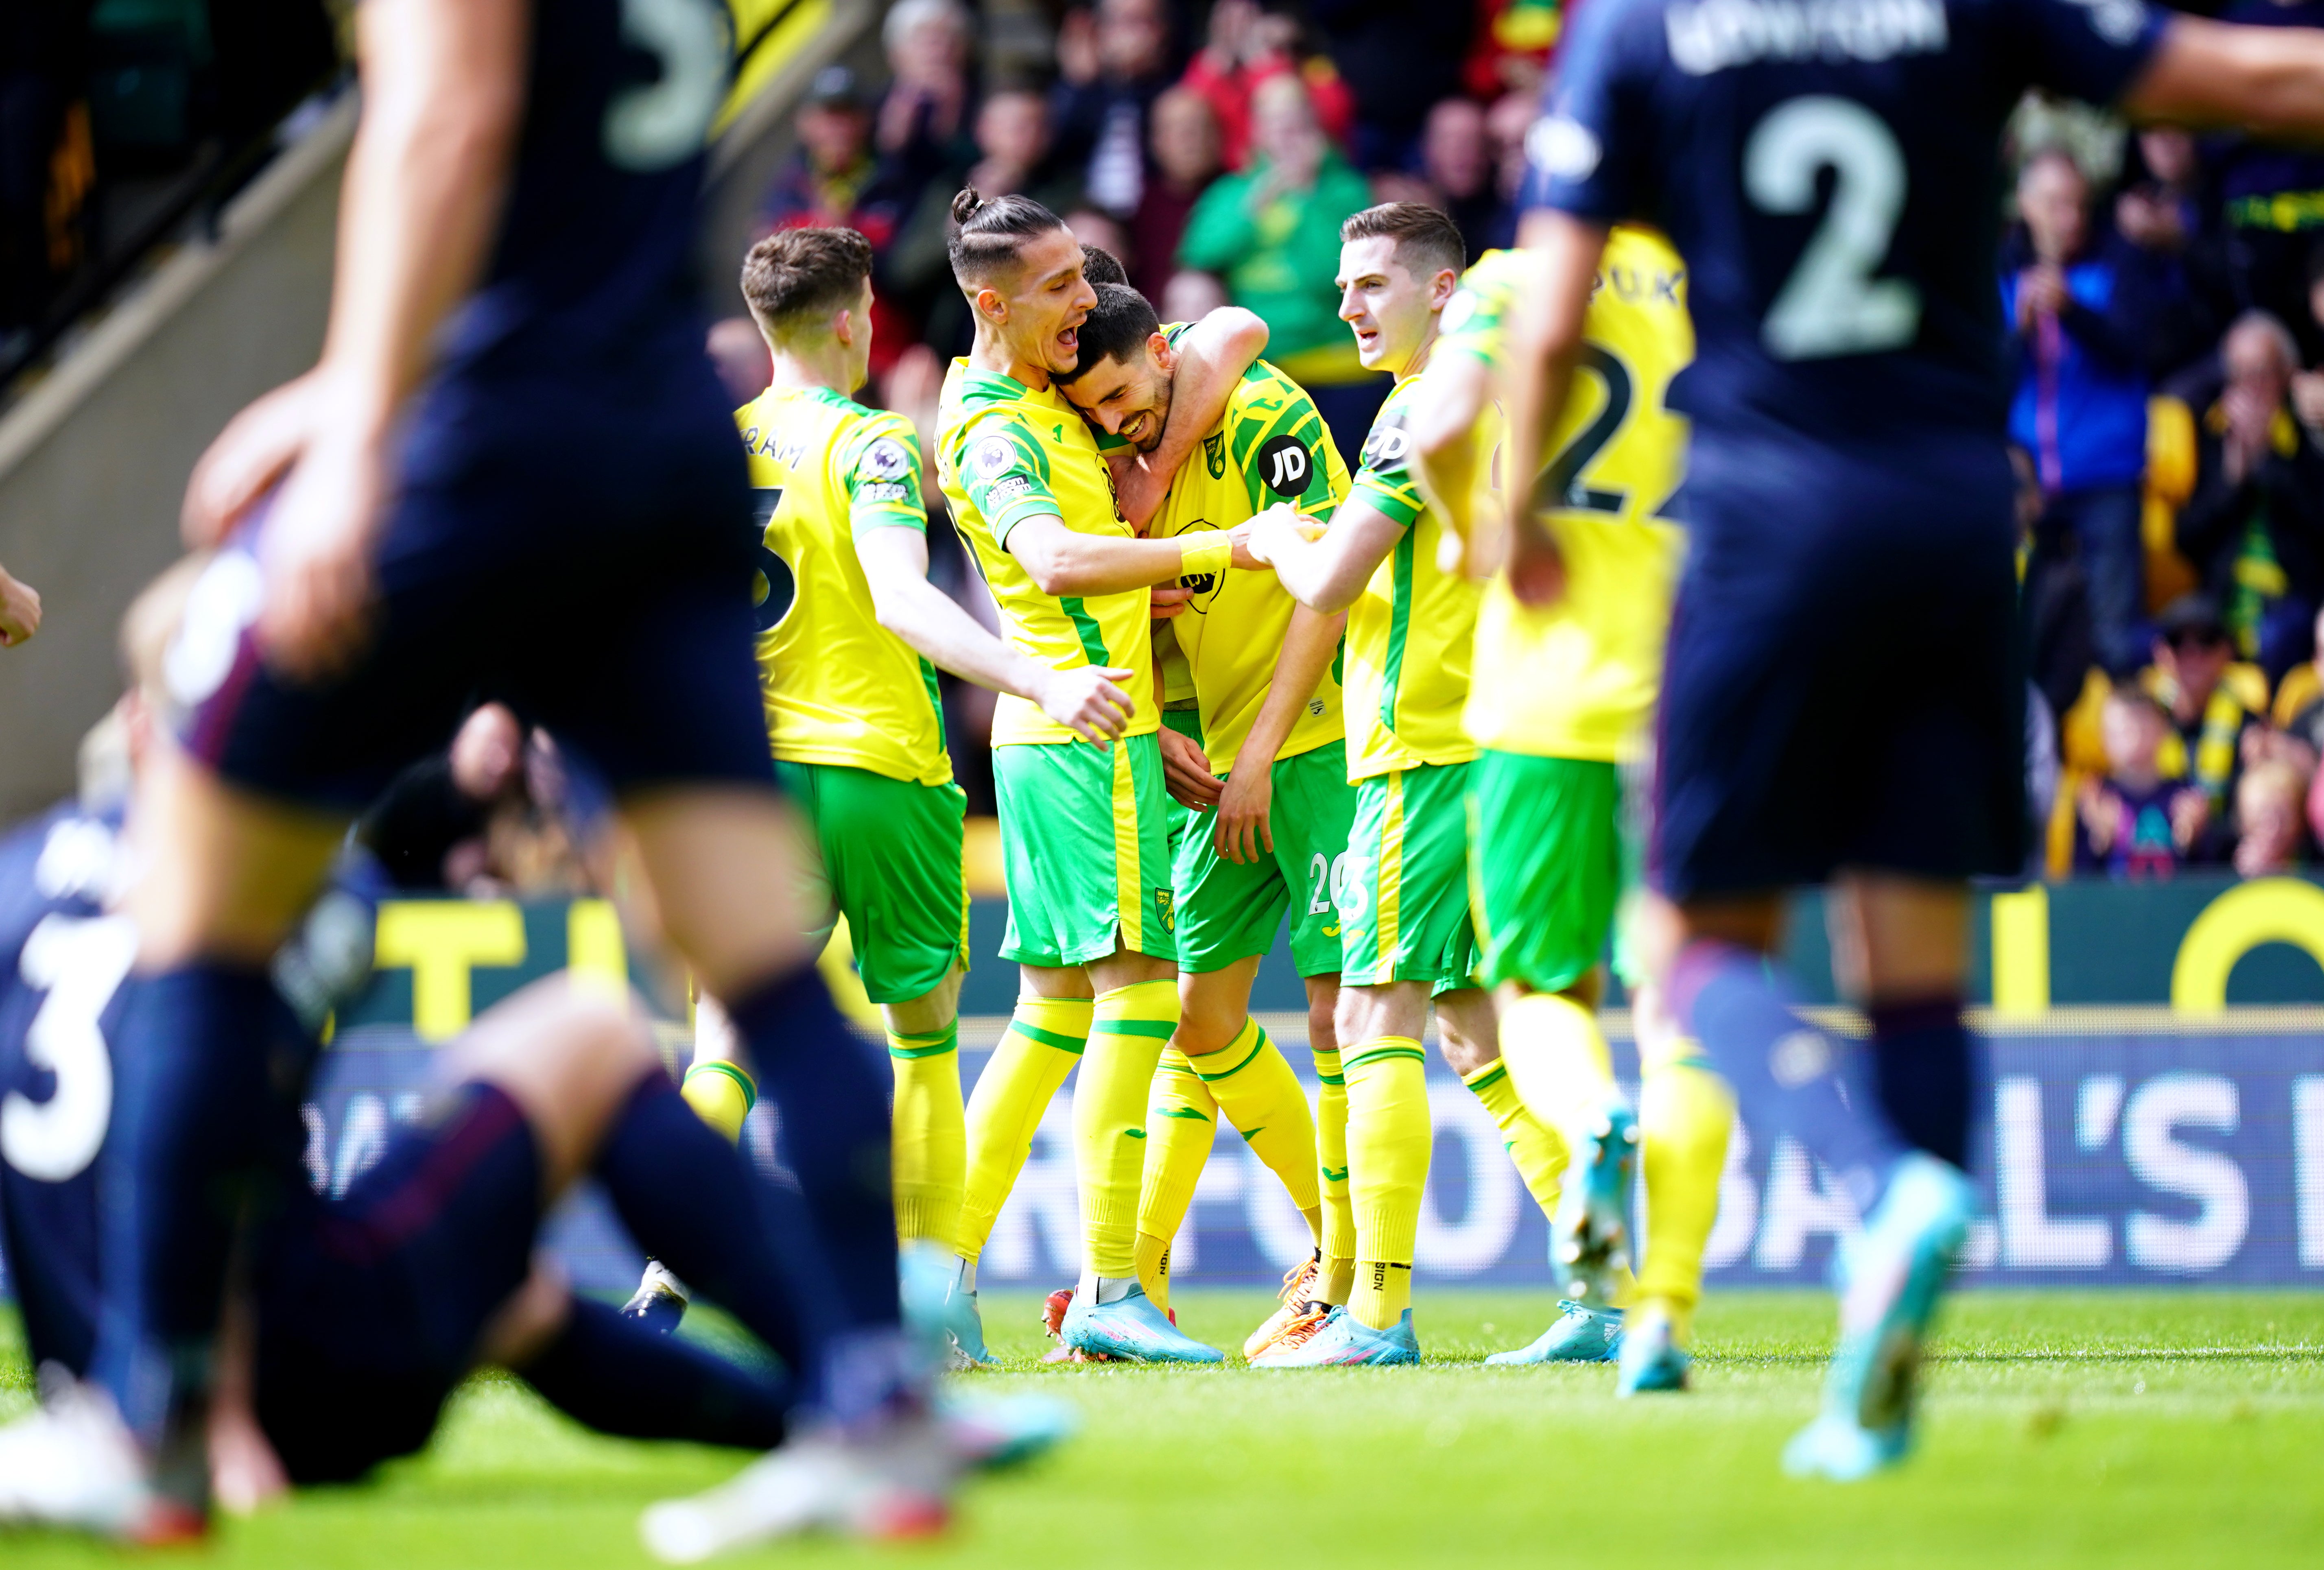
[
  {"x": 1845, "y": 686},
  {"x": 592, "y": 569},
  {"x": 370, "y": 1308}
]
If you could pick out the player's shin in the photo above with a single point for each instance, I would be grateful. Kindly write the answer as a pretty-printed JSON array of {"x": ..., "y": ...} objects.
[
  {"x": 1558, "y": 1061},
  {"x": 1181, "y": 1122},
  {"x": 621, "y": 1378},
  {"x": 1389, "y": 1138},
  {"x": 931, "y": 1134},
  {"x": 1532, "y": 1144},
  {"x": 1336, "y": 1276},
  {"x": 1685, "y": 1114},
  {"x": 1931, "y": 1070},
  {"x": 1044, "y": 1040},
  {"x": 208, "y": 1069},
  {"x": 1256, "y": 1089},
  {"x": 1128, "y": 1029},
  {"x": 1788, "y": 1076}
]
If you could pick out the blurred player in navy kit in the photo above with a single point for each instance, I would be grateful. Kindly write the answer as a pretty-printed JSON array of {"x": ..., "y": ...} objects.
[
  {"x": 1843, "y": 699},
  {"x": 511, "y": 470}
]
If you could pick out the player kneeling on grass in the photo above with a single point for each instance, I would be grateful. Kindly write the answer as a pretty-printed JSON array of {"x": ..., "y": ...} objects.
[
  {"x": 850, "y": 635},
  {"x": 1266, "y": 704}
]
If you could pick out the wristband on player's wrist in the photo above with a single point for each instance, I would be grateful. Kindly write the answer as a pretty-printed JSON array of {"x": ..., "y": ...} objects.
[{"x": 1207, "y": 551}]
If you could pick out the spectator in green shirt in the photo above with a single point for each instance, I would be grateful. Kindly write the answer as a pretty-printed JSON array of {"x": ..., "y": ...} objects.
[{"x": 1272, "y": 233}]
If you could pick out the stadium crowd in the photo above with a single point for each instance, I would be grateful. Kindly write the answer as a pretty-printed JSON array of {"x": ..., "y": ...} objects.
[{"x": 2163, "y": 295}]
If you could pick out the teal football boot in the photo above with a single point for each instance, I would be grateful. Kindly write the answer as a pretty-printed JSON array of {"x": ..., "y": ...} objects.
[
  {"x": 1890, "y": 1280},
  {"x": 938, "y": 1310},
  {"x": 1345, "y": 1341},
  {"x": 1590, "y": 1237},
  {"x": 1130, "y": 1328},
  {"x": 993, "y": 1434},
  {"x": 1580, "y": 1334},
  {"x": 1652, "y": 1358}
]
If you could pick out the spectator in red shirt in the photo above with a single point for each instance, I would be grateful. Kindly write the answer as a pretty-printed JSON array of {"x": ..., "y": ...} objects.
[
  {"x": 1248, "y": 46},
  {"x": 833, "y": 180}
]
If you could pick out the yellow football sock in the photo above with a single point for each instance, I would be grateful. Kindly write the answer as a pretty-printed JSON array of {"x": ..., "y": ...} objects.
[
  {"x": 722, "y": 1095},
  {"x": 1255, "y": 1088},
  {"x": 1337, "y": 1275},
  {"x": 1532, "y": 1144},
  {"x": 1389, "y": 1139},
  {"x": 1685, "y": 1113},
  {"x": 1043, "y": 1043},
  {"x": 1558, "y": 1060},
  {"x": 930, "y": 1142},
  {"x": 1181, "y": 1120},
  {"x": 1128, "y": 1031}
]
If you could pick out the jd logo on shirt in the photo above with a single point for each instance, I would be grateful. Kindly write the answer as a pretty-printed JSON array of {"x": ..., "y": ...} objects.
[{"x": 1284, "y": 466}]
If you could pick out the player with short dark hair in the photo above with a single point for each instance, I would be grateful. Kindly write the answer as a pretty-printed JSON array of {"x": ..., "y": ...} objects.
[
  {"x": 1261, "y": 672},
  {"x": 1827, "y": 173}
]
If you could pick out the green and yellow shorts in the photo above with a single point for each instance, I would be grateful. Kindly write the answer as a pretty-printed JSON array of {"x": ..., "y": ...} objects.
[
  {"x": 1230, "y": 910},
  {"x": 1404, "y": 901},
  {"x": 1085, "y": 847},
  {"x": 1546, "y": 866},
  {"x": 890, "y": 863}
]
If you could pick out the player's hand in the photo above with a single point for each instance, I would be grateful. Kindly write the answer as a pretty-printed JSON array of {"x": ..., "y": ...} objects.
[
  {"x": 315, "y": 555},
  {"x": 2043, "y": 293},
  {"x": 1169, "y": 599},
  {"x": 20, "y": 611},
  {"x": 1272, "y": 534},
  {"x": 249, "y": 455},
  {"x": 1536, "y": 566},
  {"x": 2190, "y": 814},
  {"x": 1242, "y": 832},
  {"x": 1088, "y": 701},
  {"x": 1186, "y": 773}
]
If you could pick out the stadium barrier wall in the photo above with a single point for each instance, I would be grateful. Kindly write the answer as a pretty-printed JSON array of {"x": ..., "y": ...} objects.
[{"x": 2130, "y": 1141}]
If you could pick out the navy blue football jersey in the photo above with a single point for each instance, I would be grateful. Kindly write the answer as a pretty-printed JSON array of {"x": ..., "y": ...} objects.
[
  {"x": 592, "y": 260},
  {"x": 1829, "y": 170},
  {"x": 64, "y": 966}
]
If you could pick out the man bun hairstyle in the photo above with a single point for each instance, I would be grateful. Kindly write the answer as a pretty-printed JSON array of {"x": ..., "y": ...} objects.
[
  {"x": 796, "y": 272},
  {"x": 1426, "y": 239},
  {"x": 987, "y": 235},
  {"x": 1100, "y": 265},
  {"x": 1116, "y": 329}
]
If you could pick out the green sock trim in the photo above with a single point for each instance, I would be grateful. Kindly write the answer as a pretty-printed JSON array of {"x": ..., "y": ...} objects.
[
  {"x": 1486, "y": 1076},
  {"x": 1135, "y": 1133},
  {"x": 1382, "y": 1054},
  {"x": 1250, "y": 1134},
  {"x": 1188, "y": 1113},
  {"x": 1155, "y": 1030},
  {"x": 1695, "y": 1060},
  {"x": 1331, "y": 1176},
  {"x": 1331, "y": 1079},
  {"x": 1256, "y": 1048},
  {"x": 1056, "y": 1039},
  {"x": 934, "y": 1044},
  {"x": 734, "y": 1071}
]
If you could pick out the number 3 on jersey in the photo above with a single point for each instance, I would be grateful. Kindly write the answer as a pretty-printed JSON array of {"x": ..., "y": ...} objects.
[
  {"x": 1831, "y": 304},
  {"x": 772, "y": 587},
  {"x": 79, "y": 962}
]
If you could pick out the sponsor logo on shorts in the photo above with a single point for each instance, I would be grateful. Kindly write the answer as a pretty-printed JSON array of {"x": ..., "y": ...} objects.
[{"x": 1165, "y": 906}]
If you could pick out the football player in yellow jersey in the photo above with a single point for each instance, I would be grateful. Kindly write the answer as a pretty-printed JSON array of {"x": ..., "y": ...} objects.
[
  {"x": 1090, "y": 902},
  {"x": 1404, "y": 931},
  {"x": 1260, "y": 668},
  {"x": 1560, "y": 701}
]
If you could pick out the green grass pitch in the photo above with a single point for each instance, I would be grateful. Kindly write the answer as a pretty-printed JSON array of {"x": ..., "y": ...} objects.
[{"x": 2086, "y": 1428}]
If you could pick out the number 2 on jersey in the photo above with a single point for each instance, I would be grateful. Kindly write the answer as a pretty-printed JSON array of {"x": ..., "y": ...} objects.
[{"x": 1831, "y": 304}]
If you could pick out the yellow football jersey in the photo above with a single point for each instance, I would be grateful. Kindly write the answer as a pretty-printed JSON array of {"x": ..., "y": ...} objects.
[
  {"x": 840, "y": 688},
  {"x": 1578, "y": 678},
  {"x": 1007, "y": 452},
  {"x": 1269, "y": 447},
  {"x": 1410, "y": 632}
]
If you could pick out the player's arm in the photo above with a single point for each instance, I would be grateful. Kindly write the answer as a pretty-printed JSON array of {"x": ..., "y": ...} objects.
[
  {"x": 1084, "y": 700},
  {"x": 1213, "y": 355},
  {"x": 1242, "y": 833},
  {"x": 20, "y": 610},
  {"x": 2267, "y": 79},
  {"x": 1062, "y": 561},
  {"x": 1454, "y": 392},
  {"x": 1544, "y": 347},
  {"x": 1325, "y": 569},
  {"x": 443, "y": 86}
]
